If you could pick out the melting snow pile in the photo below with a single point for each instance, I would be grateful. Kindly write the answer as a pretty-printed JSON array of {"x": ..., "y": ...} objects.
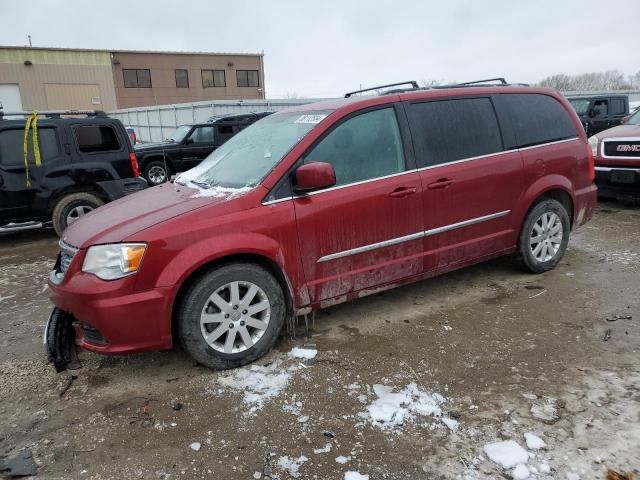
[
  {"x": 533, "y": 441},
  {"x": 390, "y": 409},
  {"x": 292, "y": 465},
  {"x": 305, "y": 353},
  {"x": 507, "y": 454},
  {"x": 259, "y": 384}
]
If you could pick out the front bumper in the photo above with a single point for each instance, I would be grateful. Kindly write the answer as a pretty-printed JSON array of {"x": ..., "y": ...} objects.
[
  {"x": 110, "y": 316},
  {"x": 115, "y": 189},
  {"x": 622, "y": 183}
]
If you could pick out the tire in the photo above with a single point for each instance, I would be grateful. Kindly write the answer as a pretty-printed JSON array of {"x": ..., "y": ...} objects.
[
  {"x": 156, "y": 172},
  {"x": 530, "y": 255},
  {"x": 228, "y": 323},
  {"x": 69, "y": 208}
]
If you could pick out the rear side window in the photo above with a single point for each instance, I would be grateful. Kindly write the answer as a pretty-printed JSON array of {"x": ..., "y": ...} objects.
[
  {"x": 450, "y": 130},
  {"x": 617, "y": 106},
  {"x": 12, "y": 141},
  {"x": 96, "y": 138},
  {"x": 532, "y": 119},
  {"x": 363, "y": 147}
]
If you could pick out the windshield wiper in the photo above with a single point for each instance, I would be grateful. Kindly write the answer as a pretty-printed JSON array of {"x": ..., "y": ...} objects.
[{"x": 204, "y": 185}]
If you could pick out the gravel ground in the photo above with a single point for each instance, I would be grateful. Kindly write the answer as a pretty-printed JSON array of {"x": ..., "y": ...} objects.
[{"x": 483, "y": 355}]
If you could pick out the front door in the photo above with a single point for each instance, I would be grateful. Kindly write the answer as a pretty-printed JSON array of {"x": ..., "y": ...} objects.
[
  {"x": 198, "y": 145},
  {"x": 470, "y": 184},
  {"x": 366, "y": 231}
]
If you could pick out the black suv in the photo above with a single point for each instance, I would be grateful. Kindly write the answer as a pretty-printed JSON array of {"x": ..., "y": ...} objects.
[
  {"x": 599, "y": 112},
  {"x": 84, "y": 161},
  {"x": 190, "y": 144}
]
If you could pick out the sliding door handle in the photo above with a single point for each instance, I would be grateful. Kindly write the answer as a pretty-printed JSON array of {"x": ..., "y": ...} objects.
[
  {"x": 403, "y": 192},
  {"x": 441, "y": 183}
]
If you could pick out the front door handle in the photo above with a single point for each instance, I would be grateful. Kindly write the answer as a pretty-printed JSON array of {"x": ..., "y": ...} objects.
[
  {"x": 403, "y": 192},
  {"x": 440, "y": 183}
]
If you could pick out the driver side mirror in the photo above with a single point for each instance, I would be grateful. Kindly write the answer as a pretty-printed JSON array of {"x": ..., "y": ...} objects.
[
  {"x": 592, "y": 113},
  {"x": 625, "y": 119},
  {"x": 314, "y": 176},
  {"x": 189, "y": 141}
]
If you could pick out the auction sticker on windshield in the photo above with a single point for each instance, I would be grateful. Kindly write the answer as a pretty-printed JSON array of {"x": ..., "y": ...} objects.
[{"x": 310, "y": 118}]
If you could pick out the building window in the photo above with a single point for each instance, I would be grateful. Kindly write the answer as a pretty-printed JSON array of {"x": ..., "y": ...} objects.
[
  {"x": 213, "y": 78},
  {"x": 137, "y": 78},
  {"x": 247, "y": 78},
  {"x": 182, "y": 78}
]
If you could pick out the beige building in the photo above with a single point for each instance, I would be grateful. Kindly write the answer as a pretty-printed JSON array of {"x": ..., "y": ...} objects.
[{"x": 50, "y": 78}]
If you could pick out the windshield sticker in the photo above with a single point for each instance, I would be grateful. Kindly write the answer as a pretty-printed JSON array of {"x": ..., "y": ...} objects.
[{"x": 310, "y": 118}]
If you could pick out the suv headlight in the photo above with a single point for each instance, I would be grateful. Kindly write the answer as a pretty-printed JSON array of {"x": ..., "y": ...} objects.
[
  {"x": 118, "y": 260},
  {"x": 593, "y": 142}
]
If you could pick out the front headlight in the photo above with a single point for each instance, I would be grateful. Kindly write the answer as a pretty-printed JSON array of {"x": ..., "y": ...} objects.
[
  {"x": 118, "y": 260},
  {"x": 593, "y": 142}
]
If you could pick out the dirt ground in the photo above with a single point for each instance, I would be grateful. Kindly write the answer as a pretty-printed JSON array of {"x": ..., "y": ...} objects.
[{"x": 508, "y": 353}]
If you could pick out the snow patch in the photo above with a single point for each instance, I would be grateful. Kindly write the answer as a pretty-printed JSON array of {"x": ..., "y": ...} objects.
[
  {"x": 195, "y": 446},
  {"x": 306, "y": 353},
  {"x": 520, "y": 472},
  {"x": 355, "y": 476},
  {"x": 259, "y": 384},
  {"x": 292, "y": 465},
  {"x": 450, "y": 423},
  {"x": 533, "y": 441},
  {"x": 218, "y": 192},
  {"x": 507, "y": 454},
  {"x": 390, "y": 409},
  {"x": 325, "y": 449},
  {"x": 342, "y": 459}
]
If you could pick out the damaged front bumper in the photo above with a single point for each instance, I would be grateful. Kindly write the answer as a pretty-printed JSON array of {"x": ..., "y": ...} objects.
[{"x": 60, "y": 341}]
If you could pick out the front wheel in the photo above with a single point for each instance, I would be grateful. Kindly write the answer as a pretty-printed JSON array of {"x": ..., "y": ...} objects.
[
  {"x": 231, "y": 316},
  {"x": 544, "y": 237}
]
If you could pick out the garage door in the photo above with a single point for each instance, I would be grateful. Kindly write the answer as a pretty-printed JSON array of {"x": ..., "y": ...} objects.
[
  {"x": 70, "y": 96},
  {"x": 10, "y": 98}
]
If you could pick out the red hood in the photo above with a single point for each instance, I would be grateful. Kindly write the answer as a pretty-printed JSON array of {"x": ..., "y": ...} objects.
[
  {"x": 620, "y": 131},
  {"x": 119, "y": 220}
]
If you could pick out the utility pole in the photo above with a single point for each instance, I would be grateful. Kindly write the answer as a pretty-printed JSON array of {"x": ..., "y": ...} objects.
[{"x": 30, "y": 40}]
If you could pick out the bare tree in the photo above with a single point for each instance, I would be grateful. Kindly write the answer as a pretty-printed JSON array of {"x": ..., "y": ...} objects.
[{"x": 609, "y": 80}]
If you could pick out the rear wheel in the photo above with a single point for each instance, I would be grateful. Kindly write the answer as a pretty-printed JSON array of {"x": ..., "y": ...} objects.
[
  {"x": 71, "y": 207},
  {"x": 156, "y": 172},
  {"x": 544, "y": 237},
  {"x": 232, "y": 316}
]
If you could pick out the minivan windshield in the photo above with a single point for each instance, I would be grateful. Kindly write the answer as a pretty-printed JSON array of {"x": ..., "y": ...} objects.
[
  {"x": 581, "y": 105},
  {"x": 179, "y": 134},
  {"x": 245, "y": 159},
  {"x": 635, "y": 119}
]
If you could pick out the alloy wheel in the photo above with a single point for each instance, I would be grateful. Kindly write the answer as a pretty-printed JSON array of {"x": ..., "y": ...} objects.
[
  {"x": 157, "y": 174},
  {"x": 235, "y": 317},
  {"x": 78, "y": 212},
  {"x": 546, "y": 237}
]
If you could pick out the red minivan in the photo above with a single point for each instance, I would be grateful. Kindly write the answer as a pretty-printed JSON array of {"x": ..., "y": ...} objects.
[{"x": 317, "y": 205}]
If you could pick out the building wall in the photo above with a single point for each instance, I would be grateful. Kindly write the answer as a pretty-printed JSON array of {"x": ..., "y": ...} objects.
[
  {"x": 162, "y": 67},
  {"x": 80, "y": 79}
]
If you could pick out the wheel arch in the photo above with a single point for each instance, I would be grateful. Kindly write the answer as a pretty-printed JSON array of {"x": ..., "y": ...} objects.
[
  {"x": 554, "y": 187},
  {"x": 259, "y": 259},
  {"x": 159, "y": 157}
]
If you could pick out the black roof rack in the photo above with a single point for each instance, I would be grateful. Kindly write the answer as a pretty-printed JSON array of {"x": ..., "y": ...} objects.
[
  {"x": 410, "y": 82},
  {"x": 489, "y": 82},
  {"x": 55, "y": 113}
]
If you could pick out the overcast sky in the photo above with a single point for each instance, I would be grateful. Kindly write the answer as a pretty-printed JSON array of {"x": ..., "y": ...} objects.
[{"x": 324, "y": 48}]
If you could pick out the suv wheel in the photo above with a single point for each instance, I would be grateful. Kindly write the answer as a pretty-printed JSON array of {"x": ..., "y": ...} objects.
[
  {"x": 231, "y": 316},
  {"x": 544, "y": 237},
  {"x": 71, "y": 207},
  {"x": 156, "y": 172}
]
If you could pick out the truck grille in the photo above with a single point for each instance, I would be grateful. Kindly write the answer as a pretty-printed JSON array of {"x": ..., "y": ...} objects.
[{"x": 629, "y": 148}]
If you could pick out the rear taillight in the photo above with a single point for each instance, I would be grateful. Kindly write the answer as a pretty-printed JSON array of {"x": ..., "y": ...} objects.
[{"x": 134, "y": 164}]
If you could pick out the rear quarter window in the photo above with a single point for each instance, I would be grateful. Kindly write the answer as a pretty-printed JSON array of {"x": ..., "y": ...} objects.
[
  {"x": 12, "y": 146},
  {"x": 96, "y": 138},
  {"x": 532, "y": 119},
  {"x": 451, "y": 130}
]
